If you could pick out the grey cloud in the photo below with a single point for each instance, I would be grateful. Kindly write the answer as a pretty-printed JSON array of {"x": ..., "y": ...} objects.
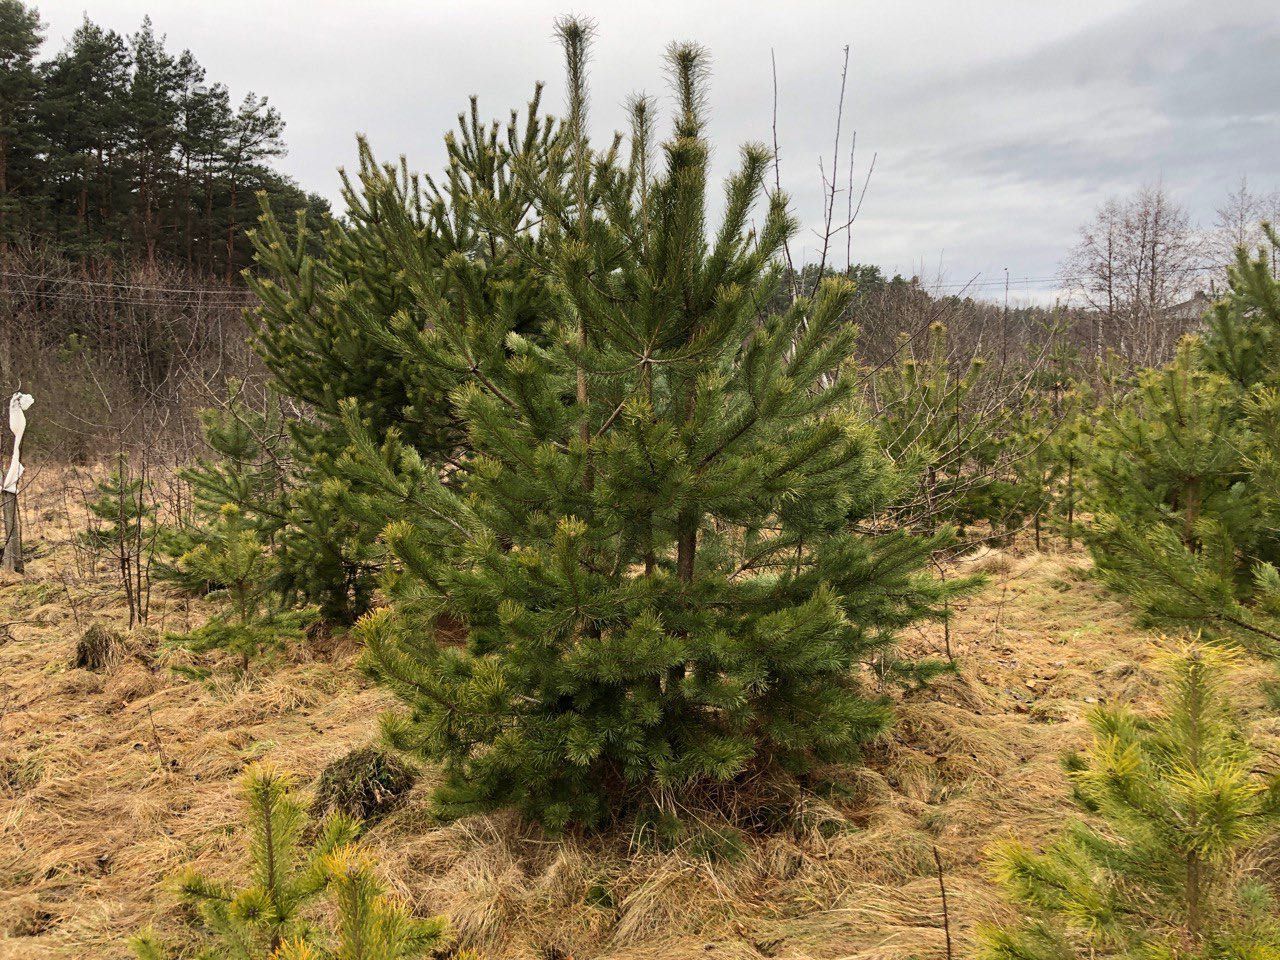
[{"x": 999, "y": 124}]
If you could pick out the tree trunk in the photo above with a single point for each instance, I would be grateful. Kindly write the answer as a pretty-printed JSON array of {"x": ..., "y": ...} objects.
[
  {"x": 1195, "y": 919},
  {"x": 12, "y": 561},
  {"x": 82, "y": 207},
  {"x": 1191, "y": 512},
  {"x": 186, "y": 209},
  {"x": 231, "y": 230},
  {"x": 208, "y": 225},
  {"x": 4, "y": 192},
  {"x": 1071, "y": 501},
  {"x": 104, "y": 188}
]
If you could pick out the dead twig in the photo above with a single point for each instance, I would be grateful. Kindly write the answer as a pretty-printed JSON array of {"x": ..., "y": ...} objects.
[{"x": 942, "y": 888}]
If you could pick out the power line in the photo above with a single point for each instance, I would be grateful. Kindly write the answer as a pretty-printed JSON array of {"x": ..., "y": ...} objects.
[
  {"x": 204, "y": 293},
  {"x": 1000, "y": 281},
  {"x": 129, "y": 301},
  {"x": 205, "y": 296}
]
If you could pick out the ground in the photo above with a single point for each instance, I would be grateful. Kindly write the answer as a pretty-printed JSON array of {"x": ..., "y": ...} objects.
[{"x": 111, "y": 781}]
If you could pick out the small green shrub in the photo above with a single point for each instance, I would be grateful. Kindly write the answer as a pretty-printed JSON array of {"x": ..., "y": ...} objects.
[
  {"x": 1155, "y": 874},
  {"x": 254, "y": 620},
  {"x": 270, "y": 918},
  {"x": 122, "y": 524}
]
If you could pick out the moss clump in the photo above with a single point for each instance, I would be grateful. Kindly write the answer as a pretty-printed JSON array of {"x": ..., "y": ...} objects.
[
  {"x": 98, "y": 649},
  {"x": 19, "y": 773},
  {"x": 366, "y": 784}
]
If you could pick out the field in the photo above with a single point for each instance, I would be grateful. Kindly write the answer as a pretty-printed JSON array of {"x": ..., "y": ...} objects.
[{"x": 110, "y": 782}]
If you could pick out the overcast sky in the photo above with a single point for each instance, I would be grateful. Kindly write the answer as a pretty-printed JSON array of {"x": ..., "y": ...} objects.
[{"x": 999, "y": 126}]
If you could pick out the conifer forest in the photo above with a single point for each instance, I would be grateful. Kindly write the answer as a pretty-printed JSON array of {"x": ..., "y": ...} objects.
[{"x": 583, "y": 544}]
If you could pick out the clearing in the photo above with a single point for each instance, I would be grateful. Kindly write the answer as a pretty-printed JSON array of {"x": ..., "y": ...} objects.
[{"x": 112, "y": 781}]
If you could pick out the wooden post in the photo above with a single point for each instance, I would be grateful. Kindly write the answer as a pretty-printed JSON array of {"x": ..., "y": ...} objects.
[
  {"x": 12, "y": 562},
  {"x": 19, "y": 403}
]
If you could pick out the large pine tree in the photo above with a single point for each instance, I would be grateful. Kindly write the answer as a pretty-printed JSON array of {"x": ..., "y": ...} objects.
[
  {"x": 405, "y": 243},
  {"x": 648, "y": 543},
  {"x": 117, "y": 147},
  {"x": 1184, "y": 491},
  {"x": 19, "y": 91}
]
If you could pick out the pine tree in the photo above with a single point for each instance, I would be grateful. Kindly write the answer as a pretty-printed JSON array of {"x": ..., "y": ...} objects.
[
  {"x": 1050, "y": 424},
  {"x": 20, "y": 82},
  {"x": 1073, "y": 404},
  {"x": 124, "y": 526},
  {"x": 233, "y": 561},
  {"x": 270, "y": 918},
  {"x": 1245, "y": 326},
  {"x": 1173, "y": 507},
  {"x": 1184, "y": 501},
  {"x": 650, "y": 546},
  {"x": 1037, "y": 472},
  {"x": 405, "y": 245},
  {"x": 119, "y": 148},
  {"x": 318, "y": 554},
  {"x": 155, "y": 84},
  {"x": 325, "y": 301},
  {"x": 255, "y": 135},
  {"x": 951, "y": 422},
  {"x": 207, "y": 119},
  {"x": 1159, "y": 869},
  {"x": 248, "y": 470},
  {"x": 319, "y": 327},
  {"x": 84, "y": 120}
]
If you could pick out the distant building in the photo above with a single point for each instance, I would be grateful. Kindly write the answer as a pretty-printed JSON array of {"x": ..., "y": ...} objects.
[{"x": 1188, "y": 313}]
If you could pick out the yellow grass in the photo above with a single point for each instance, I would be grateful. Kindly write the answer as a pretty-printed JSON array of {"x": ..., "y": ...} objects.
[{"x": 111, "y": 782}]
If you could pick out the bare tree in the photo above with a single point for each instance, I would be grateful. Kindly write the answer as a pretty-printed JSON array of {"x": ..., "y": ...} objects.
[
  {"x": 1136, "y": 262},
  {"x": 133, "y": 351},
  {"x": 1093, "y": 266},
  {"x": 1239, "y": 224},
  {"x": 1271, "y": 215}
]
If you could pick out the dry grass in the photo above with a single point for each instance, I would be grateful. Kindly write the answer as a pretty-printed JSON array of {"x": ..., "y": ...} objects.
[{"x": 111, "y": 781}]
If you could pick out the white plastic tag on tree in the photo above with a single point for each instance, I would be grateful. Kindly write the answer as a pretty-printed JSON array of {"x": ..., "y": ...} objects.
[{"x": 19, "y": 403}]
